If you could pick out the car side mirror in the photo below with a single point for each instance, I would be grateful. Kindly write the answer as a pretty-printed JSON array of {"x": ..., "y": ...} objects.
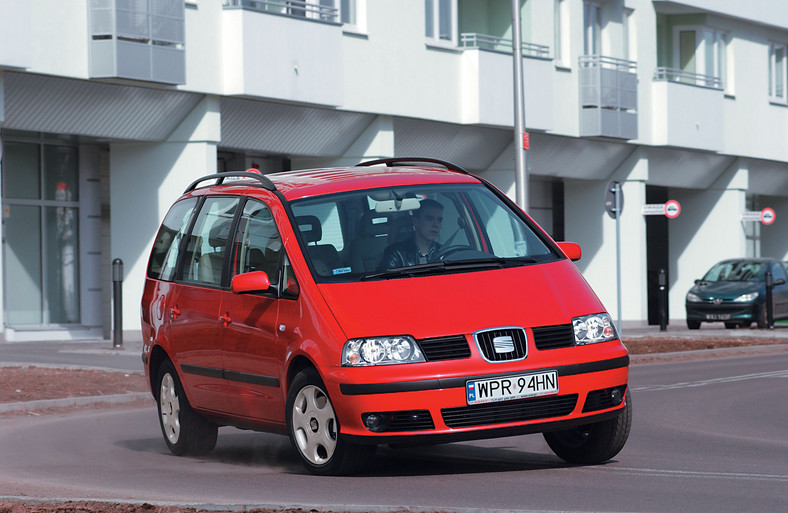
[
  {"x": 697, "y": 282},
  {"x": 255, "y": 281},
  {"x": 779, "y": 282},
  {"x": 571, "y": 250}
]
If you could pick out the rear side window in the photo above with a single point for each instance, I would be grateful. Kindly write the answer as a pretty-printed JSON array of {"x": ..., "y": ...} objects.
[
  {"x": 164, "y": 256},
  {"x": 207, "y": 245}
]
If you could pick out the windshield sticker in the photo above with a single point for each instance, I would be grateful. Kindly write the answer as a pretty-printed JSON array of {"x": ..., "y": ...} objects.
[{"x": 342, "y": 270}]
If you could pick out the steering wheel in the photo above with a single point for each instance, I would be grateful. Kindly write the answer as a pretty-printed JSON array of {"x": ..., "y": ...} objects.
[{"x": 445, "y": 251}]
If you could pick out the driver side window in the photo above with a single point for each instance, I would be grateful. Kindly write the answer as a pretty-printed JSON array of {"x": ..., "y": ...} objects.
[{"x": 258, "y": 244}]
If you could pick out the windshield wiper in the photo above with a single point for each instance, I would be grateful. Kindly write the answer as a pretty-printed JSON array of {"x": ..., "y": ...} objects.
[{"x": 451, "y": 265}]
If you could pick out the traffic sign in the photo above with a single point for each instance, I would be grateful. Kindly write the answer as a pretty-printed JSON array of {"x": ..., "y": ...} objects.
[
  {"x": 765, "y": 216},
  {"x": 610, "y": 199},
  {"x": 672, "y": 209}
]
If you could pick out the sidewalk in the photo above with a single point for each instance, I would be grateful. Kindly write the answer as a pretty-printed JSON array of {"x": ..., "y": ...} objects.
[{"x": 84, "y": 354}]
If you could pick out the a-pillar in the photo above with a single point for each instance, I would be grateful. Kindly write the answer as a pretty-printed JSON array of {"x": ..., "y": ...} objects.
[
  {"x": 145, "y": 179},
  {"x": 709, "y": 229}
]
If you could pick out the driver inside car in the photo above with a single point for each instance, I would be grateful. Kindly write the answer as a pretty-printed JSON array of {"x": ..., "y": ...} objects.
[{"x": 422, "y": 246}]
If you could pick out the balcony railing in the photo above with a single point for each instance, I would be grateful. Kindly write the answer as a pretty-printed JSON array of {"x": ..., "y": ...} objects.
[
  {"x": 499, "y": 44},
  {"x": 294, "y": 8},
  {"x": 608, "y": 97},
  {"x": 685, "y": 77}
]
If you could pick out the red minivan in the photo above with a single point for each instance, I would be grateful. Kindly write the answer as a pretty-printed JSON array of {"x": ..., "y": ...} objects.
[{"x": 401, "y": 301}]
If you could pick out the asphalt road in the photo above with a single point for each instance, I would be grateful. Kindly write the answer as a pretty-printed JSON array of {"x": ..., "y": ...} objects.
[{"x": 707, "y": 435}]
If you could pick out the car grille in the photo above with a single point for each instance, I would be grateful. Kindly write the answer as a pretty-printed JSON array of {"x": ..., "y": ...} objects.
[
  {"x": 601, "y": 399},
  {"x": 445, "y": 348},
  {"x": 509, "y": 411},
  {"x": 554, "y": 337},
  {"x": 414, "y": 420},
  {"x": 502, "y": 344}
]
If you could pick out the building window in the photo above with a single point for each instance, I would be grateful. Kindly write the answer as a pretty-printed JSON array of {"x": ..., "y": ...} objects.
[
  {"x": 778, "y": 53},
  {"x": 440, "y": 20},
  {"x": 700, "y": 54},
  {"x": 592, "y": 29},
  {"x": 41, "y": 234},
  {"x": 347, "y": 12}
]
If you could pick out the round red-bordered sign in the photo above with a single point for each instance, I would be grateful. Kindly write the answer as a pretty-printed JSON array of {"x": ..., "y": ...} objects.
[
  {"x": 672, "y": 209},
  {"x": 767, "y": 215}
]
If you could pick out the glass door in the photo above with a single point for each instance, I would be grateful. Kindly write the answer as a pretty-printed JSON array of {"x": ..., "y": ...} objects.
[{"x": 41, "y": 234}]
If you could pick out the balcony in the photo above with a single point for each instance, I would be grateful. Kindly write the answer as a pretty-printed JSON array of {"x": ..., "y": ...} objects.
[
  {"x": 608, "y": 97},
  {"x": 290, "y": 51},
  {"x": 687, "y": 110},
  {"x": 139, "y": 44},
  {"x": 488, "y": 97}
]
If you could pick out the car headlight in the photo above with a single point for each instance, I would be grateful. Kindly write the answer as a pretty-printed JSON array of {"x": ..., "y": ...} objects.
[
  {"x": 693, "y": 298},
  {"x": 364, "y": 352},
  {"x": 590, "y": 329},
  {"x": 746, "y": 298}
]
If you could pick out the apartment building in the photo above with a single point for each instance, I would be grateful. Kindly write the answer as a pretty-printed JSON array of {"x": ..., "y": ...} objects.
[{"x": 109, "y": 108}]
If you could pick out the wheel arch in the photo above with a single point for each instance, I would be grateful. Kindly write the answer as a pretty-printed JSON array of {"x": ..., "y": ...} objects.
[{"x": 157, "y": 356}]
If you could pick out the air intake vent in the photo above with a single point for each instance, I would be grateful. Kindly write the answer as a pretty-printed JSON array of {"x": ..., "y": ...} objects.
[
  {"x": 502, "y": 344},
  {"x": 510, "y": 411},
  {"x": 445, "y": 348},
  {"x": 554, "y": 337}
]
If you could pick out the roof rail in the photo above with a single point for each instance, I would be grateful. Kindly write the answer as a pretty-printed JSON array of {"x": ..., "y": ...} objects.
[
  {"x": 390, "y": 162},
  {"x": 265, "y": 182}
]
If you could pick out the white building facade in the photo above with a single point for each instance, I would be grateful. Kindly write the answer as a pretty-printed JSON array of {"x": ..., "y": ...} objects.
[{"x": 109, "y": 108}]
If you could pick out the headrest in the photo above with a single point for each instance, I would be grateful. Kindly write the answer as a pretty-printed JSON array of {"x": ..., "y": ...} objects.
[
  {"x": 217, "y": 237},
  {"x": 373, "y": 224},
  {"x": 310, "y": 228}
]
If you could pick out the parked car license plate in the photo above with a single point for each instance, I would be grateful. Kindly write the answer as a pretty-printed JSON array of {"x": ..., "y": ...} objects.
[
  {"x": 718, "y": 317},
  {"x": 481, "y": 391}
]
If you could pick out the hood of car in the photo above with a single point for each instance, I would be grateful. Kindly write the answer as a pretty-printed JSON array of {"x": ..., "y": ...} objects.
[
  {"x": 459, "y": 303},
  {"x": 725, "y": 289}
]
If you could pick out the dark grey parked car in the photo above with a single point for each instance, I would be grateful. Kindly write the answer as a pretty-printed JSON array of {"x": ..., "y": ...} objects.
[{"x": 734, "y": 292}]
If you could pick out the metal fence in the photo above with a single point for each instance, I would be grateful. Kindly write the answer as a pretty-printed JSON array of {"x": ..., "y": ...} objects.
[
  {"x": 294, "y": 8},
  {"x": 499, "y": 44}
]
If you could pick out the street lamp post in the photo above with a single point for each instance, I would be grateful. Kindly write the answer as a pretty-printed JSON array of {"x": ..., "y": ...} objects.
[{"x": 521, "y": 172}]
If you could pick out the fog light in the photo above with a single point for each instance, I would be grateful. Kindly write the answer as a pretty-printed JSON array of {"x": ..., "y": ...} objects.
[
  {"x": 375, "y": 422},
  {"x": 616, "y": 396}
]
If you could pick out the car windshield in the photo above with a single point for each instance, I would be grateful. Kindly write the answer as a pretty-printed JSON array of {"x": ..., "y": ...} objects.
[
  {"x": 736, "y": 271},
  {"x": 413, "y": 230}
]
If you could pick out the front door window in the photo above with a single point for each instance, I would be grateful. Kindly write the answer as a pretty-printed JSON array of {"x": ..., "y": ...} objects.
[{"x": 41, "y": 226}]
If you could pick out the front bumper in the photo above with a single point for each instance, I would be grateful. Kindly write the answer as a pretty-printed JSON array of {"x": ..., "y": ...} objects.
[
  {"x": 726, "y": 311},
  {"x": 436, "y": 409}
]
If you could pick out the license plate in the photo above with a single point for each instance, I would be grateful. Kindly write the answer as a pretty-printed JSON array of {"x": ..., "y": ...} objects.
[
  {"x": 718, "y": 317},
  {"x": 480, "y": 391}
]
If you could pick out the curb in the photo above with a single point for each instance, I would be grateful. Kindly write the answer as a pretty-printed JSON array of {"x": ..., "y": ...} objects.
[{"x": 72, "y": 401}]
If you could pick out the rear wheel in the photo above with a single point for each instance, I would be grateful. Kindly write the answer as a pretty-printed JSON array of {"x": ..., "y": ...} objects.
[
  {"x": 314, "y": 430},
  {"x": 593, "y": 443},
  {"x": 693, "y": 325},
  {"x": 185, "y": 432}
]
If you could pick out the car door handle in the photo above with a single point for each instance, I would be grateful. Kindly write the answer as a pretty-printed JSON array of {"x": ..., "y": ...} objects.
[
  {"x": 174, "y": 312},
  {"x": 225, "y": 320}
]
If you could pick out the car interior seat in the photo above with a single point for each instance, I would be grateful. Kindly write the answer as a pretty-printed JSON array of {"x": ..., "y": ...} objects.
[
  {"x": 367, "y": 249},
  {"x": 209, "y": 267},
  {"x": 324, "y": 257}
]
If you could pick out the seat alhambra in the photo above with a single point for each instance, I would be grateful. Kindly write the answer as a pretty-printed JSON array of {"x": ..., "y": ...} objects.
[{"x": 401, "y": 301}]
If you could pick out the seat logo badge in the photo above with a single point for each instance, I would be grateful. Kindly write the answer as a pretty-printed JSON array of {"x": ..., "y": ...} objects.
[{"x": 504, "y": 344}]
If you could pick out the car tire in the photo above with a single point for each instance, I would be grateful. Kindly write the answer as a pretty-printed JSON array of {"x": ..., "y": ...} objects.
[
  {"x": 314, "y": 430},
  {"x": 592, "y": 443},
  {"x": 693, "y": 325},
  {"x": 732, "y": 325},
  {"x": 185, "y": 432}
]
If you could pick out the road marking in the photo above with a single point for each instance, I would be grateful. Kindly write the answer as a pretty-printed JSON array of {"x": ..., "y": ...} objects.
[
  {"x": 699, "y": 474},
  {"x": 729, "y": 379}
]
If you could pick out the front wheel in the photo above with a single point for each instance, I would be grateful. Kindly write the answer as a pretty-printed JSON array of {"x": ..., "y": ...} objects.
[
  {"x": 185, "y": 432},
  {"x": 314, "y": 430},
  {"x": 593, "y": 443},
  {"x": 693, "y": 325}
]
